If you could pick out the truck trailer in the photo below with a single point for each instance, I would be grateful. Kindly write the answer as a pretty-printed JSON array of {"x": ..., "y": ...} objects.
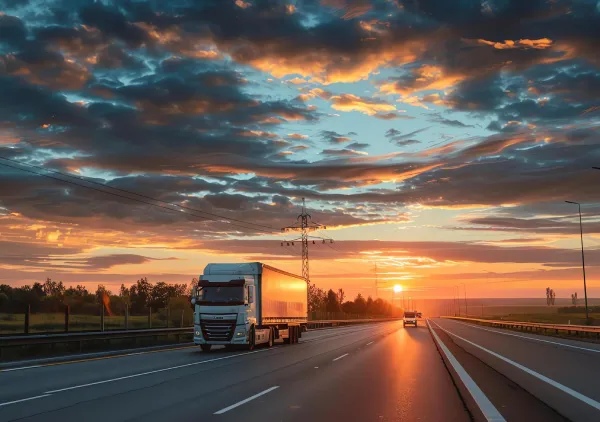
[{"x": 247, "y": 304}]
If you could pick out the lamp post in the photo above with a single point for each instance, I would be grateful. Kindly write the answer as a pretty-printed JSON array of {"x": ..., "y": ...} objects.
[
  {"x": 466, "y": 305},
  {"x": 458, "y": 297},
  {"x": 587, "y": 320}
]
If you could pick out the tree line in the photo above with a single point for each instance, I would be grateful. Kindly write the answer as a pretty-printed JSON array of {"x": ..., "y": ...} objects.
[
  {"x": 331, "y": 301},
  {"x": 53, "y": 296}
]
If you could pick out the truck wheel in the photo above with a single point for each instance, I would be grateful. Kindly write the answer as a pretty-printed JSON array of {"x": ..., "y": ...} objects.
[
  {"x": 205, "y": 347},
  {"x": 295, "y": 338},
  {"x": 252, "y": 339},
  {"x": 288, "y": 339},
  {"x": 271, "y": 337}
]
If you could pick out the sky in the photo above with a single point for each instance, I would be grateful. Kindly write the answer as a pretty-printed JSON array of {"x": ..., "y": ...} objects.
[{"x": 437, "y": 141}]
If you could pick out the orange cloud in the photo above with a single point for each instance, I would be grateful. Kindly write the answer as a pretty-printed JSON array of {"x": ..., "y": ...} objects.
[
  {"x": 242, "y": 4},
  {"x": 540, "y": 44},
  {"x": 350, "y": 102},
  {"x": 324, "y": 66},
  {"x": 424, "y": 78},
  {"x": 297, "y": 136}
]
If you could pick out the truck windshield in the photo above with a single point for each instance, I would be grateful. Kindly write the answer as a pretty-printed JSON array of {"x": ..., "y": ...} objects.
[
  {"x": 409, "y": 314},
  {"x": 219, "y": 295}
]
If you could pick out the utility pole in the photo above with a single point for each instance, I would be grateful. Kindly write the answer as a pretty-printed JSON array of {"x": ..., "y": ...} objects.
[
  {"x": 306, "y": 226},
  {"x": 587, "y": 316}
]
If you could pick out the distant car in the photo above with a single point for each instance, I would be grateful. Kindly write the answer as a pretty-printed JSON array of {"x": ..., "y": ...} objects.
[
  {"x": 410, "y": 318},
  {"x": 419, "y": 315}
]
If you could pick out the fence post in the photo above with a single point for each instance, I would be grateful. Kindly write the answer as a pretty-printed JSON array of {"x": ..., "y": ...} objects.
[
  {"x": 168, "y": 317},
  {"x": 27, "y": 318},
  {"x": 149, "y": 317},
  {"x": 67, "y": 312},
  {"x": 182, "y": 312},
  {"x": 102, "y": 318},
  {"x": 127, "y": 317}
]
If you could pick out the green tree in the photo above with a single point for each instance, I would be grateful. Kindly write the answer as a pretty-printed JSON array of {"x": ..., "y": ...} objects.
[
  {"x": 360, "y": 304},
  {"x": 140, "y": 294},
  {"x": 53, "y": 288},
  {"x": 331, "y": 302},
  {"x": 316, "y": 298}
]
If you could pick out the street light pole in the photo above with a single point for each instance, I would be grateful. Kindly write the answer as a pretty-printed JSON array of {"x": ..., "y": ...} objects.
[
  {"x": 587, "y": 320},
  {"x": 458, "y": 297},
  {"x": 466, "y": 305}
]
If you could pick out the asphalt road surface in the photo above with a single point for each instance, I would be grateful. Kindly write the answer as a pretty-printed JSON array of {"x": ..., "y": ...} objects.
[
  {"x": 379, "y": 372},
  {"x": 558, "y": 372}
]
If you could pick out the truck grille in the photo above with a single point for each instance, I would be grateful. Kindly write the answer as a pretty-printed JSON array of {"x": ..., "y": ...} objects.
[{"x": 217, "y": 330}]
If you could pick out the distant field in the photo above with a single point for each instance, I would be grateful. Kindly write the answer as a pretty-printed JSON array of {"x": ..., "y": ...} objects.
[
  {"x": 54, "y": 322},
  {"x": 556, "y": 318},
  {"x": 501, "y": 310}
]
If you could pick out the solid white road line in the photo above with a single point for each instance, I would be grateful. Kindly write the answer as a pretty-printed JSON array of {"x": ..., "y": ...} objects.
[
  {"x": 529, "y": 338},
  {"x": 535, "y": 374},
  {"x": 489, "y": 411},
  {"x": 156, "y": 371},
  {"x": 18, "y": 369},
  {"x": 22, "y": 400},
  {"x": 369, "y": 343},
  {"x": 341, "y": 357},
  {"x": 233, "y": 406}
]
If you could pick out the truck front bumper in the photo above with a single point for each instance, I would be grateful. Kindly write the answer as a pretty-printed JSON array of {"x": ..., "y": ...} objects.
[{"x": 240, "y": 336}]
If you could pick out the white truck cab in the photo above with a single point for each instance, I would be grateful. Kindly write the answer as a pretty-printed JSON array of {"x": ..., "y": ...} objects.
[
  {"x": 247, "y": 304},
  {"x": 410, "y": 317}
]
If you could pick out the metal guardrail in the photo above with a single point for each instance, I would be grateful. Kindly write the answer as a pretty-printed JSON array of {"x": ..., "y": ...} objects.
[
  {"x": 533, "y": 326},
  {"x": 83, "y": 337}
]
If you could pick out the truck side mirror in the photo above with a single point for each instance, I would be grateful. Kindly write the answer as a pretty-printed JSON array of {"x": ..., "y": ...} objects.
[
  {"x": 250, "y": 294},
  {"x": 193, "y": 302}
]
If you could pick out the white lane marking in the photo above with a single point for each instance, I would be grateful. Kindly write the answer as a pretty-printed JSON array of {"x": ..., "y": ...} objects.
[
  {"x": 20, "y": 368},
  {"x": 369, "y": 343},
  {"x": 22, "y": 400},
  {"x": 233, "y": 406},
  {"x": 341, "y": 357},
  {"x": 529, "y": 338},
  {"x": 485, "y": 405},
  {"x": 537, "y": 375},
  {"x": 155, "y": 371}
]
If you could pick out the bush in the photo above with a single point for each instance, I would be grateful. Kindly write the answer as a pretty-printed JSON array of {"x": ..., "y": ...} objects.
[{"x": 578, "y": 309}]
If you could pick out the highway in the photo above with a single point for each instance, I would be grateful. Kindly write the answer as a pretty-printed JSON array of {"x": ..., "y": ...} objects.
[
  {"x": 503, "y": 363},
  {"x": 379, "y": 372}
]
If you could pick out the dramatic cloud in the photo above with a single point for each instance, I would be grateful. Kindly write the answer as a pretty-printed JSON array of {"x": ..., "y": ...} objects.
[
  {"x": 369, "y": 106},
  {"x": 210, "y": 121}
]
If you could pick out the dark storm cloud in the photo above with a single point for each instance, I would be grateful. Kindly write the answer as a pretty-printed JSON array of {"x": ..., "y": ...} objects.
[
  {"x": 358, "y": 145},
  {"x": 12, "y": 31},
  {"x": 333, "y": 137},
  {"x": 438, "y": 118},
  {"x": 112, "y": 23},
  {"x": 564, "y": 225},
  {"x": 401, "y": 140}
]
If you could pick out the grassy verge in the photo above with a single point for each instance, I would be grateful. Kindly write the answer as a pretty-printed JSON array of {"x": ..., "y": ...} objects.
[{"x": 55, "y": 322}]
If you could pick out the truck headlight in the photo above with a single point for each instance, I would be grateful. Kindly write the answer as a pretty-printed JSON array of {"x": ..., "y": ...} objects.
[
  {"x": 198, "y": 333},
  {"x": 239, "y": 334}
]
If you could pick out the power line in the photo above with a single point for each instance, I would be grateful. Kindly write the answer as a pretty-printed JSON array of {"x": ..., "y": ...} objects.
[
  {"x": 138, "y": 194},
  {"x": 123, "y": 196}
]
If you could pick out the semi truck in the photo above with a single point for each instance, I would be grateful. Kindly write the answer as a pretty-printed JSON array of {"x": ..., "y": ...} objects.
[{"x": 243, "y": 305}]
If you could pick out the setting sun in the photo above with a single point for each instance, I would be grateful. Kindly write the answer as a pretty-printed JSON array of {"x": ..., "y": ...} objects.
[{"x": 397, "y": 288}]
